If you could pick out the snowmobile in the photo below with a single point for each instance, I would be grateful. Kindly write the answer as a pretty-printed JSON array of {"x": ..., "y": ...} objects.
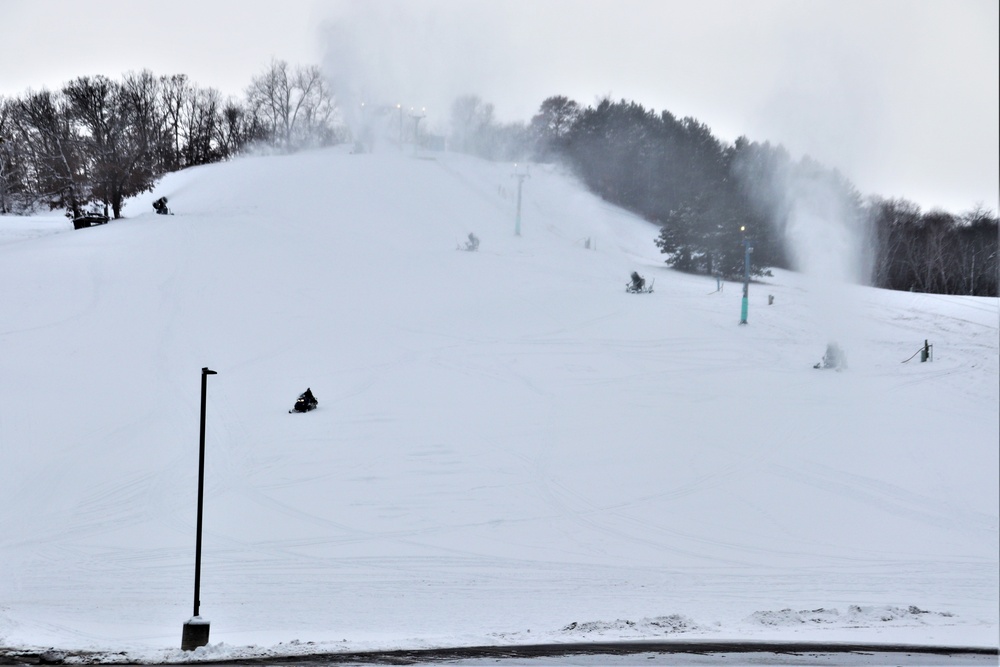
[
  {"x": 305, "y": 402},
  {"x": 638, "y": 285}
]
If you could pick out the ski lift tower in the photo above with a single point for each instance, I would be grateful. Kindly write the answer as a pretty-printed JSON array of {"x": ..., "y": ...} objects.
[
  {"x": 520, "y": 173},
  {"x": 399, "y": 107},
  {"x": 417, "y": 117},
  {"x": 747, "y": 249}
]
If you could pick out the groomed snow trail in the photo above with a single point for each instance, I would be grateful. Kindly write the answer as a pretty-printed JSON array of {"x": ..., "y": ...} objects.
[{"x": 508, "y": 447}]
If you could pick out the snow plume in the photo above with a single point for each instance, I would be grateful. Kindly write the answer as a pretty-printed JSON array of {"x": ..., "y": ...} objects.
[
  {"x": 817, "y": 213},
  {"x": 387, "y": 58},
  {"x": 823, "y": 225},
  {"x": 823, "y": 232}
]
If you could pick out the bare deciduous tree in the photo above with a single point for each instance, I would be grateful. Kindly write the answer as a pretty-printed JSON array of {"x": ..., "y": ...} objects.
[
  {"x": 294, "y": 105},
  {"x": 54, "y": 164}
]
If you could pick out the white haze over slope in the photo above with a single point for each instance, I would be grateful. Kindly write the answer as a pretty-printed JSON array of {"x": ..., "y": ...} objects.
[{"x": 508, "y": 447}]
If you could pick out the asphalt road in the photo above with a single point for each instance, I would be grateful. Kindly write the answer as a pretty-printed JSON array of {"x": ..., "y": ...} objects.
[{"x": 597, "y": 653}]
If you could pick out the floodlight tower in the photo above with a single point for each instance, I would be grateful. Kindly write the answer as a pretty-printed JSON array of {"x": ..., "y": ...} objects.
[
  {"x": 361, "y": 133},
  {"x": 747, "y": 249},
  {"x": 399, "y": 107},
  {"x": 520, "y": 174}
]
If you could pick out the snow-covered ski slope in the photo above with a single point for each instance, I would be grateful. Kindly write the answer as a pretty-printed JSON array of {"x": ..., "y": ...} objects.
[{"x": 508, "y": 446}]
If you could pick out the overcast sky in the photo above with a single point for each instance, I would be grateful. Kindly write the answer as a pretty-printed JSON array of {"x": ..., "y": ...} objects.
[{"x": 900, "y": 95}]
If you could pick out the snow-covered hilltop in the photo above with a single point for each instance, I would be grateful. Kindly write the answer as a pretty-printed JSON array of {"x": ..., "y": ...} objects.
[{"x": 508, "y": 446}]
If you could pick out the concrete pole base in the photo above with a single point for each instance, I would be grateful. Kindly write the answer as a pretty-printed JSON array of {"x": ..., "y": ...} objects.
[{"x": 195, "y": 633}]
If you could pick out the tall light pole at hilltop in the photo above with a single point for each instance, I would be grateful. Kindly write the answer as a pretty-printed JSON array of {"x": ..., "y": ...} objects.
[{"x": 400, "y": 108}]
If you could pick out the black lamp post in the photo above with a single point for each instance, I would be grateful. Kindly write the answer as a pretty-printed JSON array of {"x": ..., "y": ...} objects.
[{"x": 196, "y": 630}]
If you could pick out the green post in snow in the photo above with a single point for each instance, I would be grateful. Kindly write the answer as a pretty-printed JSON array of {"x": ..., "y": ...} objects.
[{"x": 747, "y": 249}]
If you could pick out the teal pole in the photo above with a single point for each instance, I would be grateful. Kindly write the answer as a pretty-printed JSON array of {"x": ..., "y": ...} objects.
[{"x": 747, "y": 249}]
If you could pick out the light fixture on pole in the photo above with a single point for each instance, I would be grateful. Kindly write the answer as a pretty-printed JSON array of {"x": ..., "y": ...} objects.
[{"x": 197, "y": 629}]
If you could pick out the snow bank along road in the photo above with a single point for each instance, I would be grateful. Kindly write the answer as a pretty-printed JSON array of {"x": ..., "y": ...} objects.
[{"x": 596, "y": 653}]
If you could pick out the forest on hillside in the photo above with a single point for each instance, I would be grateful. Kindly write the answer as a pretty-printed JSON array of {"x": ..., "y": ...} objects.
[
  {"x": 706, "y": 194},
  {"x": 99, "y": 141}
]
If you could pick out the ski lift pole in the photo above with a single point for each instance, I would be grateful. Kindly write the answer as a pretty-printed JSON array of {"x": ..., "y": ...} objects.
[
  {"x": 517, "y": 220},
  {"x": 399, "y": 107},
  {"x": 417, "y": 117},
  {"x": 747, "y": 249},
  {"x": 520, "y": 176}
]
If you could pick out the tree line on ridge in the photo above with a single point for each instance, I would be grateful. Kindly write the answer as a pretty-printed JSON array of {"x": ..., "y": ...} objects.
[{"x": 101, "y": 141}]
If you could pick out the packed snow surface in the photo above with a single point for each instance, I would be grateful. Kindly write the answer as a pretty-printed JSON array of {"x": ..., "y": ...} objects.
[{"x": 508, "y": 448}]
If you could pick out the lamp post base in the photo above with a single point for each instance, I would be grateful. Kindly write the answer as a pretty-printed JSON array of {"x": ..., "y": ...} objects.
[{"x": 195, "y": 633}]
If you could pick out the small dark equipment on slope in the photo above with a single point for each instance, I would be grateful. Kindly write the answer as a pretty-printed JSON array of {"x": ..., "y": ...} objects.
[
  {"x": 472, "y": 244},
  {"x": 160, "y": 206},
  {"x": 305, "y": 402},
  {"x": 92, "y": 217},
  {"x": 926, "y": 352},
  {"x": 834, "y": 358},
  {"x": 638, "y": 285}
]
